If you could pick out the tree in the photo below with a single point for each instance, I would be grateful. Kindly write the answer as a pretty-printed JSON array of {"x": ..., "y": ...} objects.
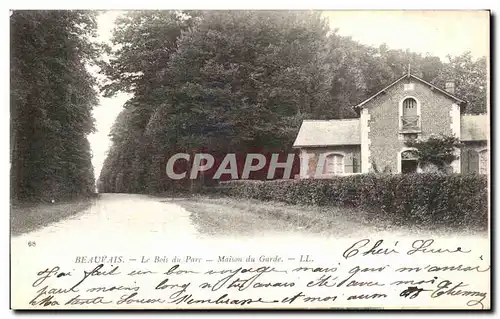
[
  {"x": 52, "y": 96},
  {"x": 438, "y": 151},
  {"x": 143, "y": 42},
  {"x": 470, "y": 77},
  {"x": 238, "y": 78}
]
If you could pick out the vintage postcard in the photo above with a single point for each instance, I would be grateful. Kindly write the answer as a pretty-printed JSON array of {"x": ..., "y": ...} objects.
[{"x": 244, "y": 159}]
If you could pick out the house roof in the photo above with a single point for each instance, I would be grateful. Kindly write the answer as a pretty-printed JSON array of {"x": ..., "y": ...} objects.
[
  {"x": 474, "y": 128},
  {"x": 324, "y": 133},
  {"x": 361, "y": 105}
]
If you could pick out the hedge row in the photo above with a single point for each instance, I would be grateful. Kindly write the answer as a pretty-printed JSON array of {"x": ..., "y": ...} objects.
[{"x": 424, "y": 199}]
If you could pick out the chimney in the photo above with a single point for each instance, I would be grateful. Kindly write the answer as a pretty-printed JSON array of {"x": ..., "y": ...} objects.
[{"x": 450, "y": 87}]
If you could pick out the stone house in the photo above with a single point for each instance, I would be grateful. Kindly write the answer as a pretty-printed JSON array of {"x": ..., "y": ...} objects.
[{"x": 408, "y": 108}]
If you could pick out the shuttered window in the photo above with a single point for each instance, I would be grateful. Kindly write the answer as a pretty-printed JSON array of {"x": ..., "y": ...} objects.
[
  {"x": 473, "y": 157},
  {"x": 352, "y": 163},
  {"x": 483, "y": 162}
]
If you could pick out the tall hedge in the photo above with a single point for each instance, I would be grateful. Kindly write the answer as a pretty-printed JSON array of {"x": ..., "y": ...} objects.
[{"x": 459, "y": 201}]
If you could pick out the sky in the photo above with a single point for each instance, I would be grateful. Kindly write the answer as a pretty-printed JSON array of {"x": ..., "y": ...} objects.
[
  {"x": 436, "y": 32},
  {"x": 107, "y": 110}
]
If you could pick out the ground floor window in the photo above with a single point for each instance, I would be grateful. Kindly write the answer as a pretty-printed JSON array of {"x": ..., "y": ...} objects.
[{"x": 335, "y": 164}]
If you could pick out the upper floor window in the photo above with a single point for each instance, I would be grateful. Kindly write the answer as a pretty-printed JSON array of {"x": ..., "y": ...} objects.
[
  {"x": 334, "y": 164},
  {"x": 410, "y": 115},
  {"x": 410, "y": 107}
]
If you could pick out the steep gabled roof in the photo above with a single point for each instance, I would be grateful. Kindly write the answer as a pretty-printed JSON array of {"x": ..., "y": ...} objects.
[
  {"x": 457, "y": 99},
  {"x": 314, "y": 133},
  {"x": 474, "y": 128}
]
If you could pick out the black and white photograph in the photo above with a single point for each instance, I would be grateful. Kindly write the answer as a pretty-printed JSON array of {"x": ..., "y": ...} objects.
[{"x": 250, "y": 159}]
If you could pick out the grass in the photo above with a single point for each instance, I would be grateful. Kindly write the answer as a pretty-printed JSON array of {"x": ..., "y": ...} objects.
[
  {"x": 231, "y": 216},
  {"x": 27, "y": 217}
]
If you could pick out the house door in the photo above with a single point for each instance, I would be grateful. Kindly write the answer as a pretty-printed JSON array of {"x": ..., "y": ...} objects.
[
  {"x": 409, "y": 163},
  {"x": 409, "y": 166}
]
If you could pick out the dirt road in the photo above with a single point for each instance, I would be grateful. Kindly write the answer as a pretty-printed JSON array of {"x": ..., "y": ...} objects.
[{"x": 115, "y": 217}]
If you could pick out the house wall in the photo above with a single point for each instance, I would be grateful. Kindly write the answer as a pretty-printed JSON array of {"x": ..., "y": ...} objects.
[
  {"x": 386, "y": 142},
  {"x": 309, "y": 158},
  {"x": 365, "y": 140}
]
